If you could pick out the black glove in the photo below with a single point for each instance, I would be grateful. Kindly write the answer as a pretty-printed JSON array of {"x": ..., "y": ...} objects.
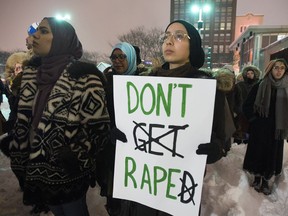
[
  {"x": 117, "y": 134},
  {"x": 213, "y": 151}
]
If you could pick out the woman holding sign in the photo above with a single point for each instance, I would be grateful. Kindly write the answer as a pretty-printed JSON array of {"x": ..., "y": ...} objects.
[{"x": 183, "y": 55}]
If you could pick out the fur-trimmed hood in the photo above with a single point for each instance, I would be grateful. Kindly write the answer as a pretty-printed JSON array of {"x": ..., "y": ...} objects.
[
  {"x": 225, "y": 79},
  {"x": 256, "y": 70},
  {"x": 17, "y": 57},
  {"x": 79, "y": 68}
]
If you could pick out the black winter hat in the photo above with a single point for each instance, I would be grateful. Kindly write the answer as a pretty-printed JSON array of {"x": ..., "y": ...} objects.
[{"x": 197, "y": 55}]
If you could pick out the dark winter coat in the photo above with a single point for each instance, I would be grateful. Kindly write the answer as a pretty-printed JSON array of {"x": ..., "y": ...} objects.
[
  {"x": 105, "y": 161},
  {"x": 264, "y": 154},
  {"x": 244, "y": 87},
  {"x": 130, "y": 208},
  {"x": 58, "y": 164}
]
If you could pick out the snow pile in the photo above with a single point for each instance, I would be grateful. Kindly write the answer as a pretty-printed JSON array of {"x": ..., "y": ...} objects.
[{"x": 227, "y": 190}]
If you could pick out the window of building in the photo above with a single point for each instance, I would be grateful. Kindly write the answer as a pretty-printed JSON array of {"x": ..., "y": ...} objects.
[
  {"x": 227, "y": 49},
  {"x": 207, "y": 26},
  {"x": 229, "y": 18},
  {"x": 228, "y": 36},
  {"x": 221, "y": 38},
  {"x": 268, "y": 39},
  {"x": 242, "y": 28},
  {"x": 228, "y": 26},
  {"x": 216, "y": 38},
  {"x": 215, "y": 49},
  {"x": 221, "y": 48}
]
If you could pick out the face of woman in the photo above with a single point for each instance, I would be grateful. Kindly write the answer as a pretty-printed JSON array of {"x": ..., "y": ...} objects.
[
  {"x": 18, "y": 68},
  {"x": 175, "y": 47},
  {"x": 250, "y": 74},
  {"x": 42, "y": 39},
  {"x": 119, "y": 61},
  {"x": 278, "y": 70}
]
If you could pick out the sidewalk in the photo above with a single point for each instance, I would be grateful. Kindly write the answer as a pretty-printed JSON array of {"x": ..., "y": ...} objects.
[{"x": 11, "y": 196}]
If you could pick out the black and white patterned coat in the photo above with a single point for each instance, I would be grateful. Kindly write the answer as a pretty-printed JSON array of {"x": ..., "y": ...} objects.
[{"x": 57, "y": 164}]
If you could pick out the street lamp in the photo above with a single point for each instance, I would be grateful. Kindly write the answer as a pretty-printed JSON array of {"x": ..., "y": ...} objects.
[
  {"x": 65, "y": 17},
  {"x": 200, "y": 9}
]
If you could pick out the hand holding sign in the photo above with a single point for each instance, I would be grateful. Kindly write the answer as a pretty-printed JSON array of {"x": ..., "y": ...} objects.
[
  {"x": 212, "y": 150},
  {"x": 116, "y": 134}
]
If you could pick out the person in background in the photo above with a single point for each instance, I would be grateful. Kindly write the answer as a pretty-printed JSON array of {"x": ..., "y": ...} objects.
[
  {"x": 13, "y": 70},
  {"x": 183, "y": 55},
  {"x": 226, "y": 84},
  {"x": 62, "y": 122},
  {"x": 29, "y": 39},
  {"x": 266, "y": 110},
  {"x": 13, "y": 74},
  {"x": 239, "y": 78},
  {"x": 251, "y": 75},
  {"x": 124, "y": 58},
  {"x": 2, "y": 118},
  {"x": 138, "y": 55}
]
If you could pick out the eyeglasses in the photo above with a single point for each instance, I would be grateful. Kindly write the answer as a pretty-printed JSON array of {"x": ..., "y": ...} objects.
[
  {"x": 279, "y": 67},
  {"x": 178, "y": 36},
  {"x": 120, "y": 57}
]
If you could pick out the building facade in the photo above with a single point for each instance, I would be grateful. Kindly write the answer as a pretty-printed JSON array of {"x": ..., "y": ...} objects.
[
  {"x": 243, "y": 21},
  {"x": 258, "y": 44},
  {"x": 217, "y": 27}
]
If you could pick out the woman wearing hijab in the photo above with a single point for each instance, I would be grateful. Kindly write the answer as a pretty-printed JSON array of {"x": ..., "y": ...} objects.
[
  {"x": 266, "y": 109},
  {"x": 183, "y": 55},
  {"x": 62, "y": 122},
  {"x": 124, "y": 62}
]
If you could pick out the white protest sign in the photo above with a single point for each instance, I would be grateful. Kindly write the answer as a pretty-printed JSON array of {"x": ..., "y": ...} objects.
[{"x": 164, "y": 119}]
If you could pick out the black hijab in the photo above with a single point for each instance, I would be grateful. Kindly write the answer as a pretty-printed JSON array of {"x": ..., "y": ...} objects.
[
  {"x": 197, "y": 55},
  {"x": 65, "y": 48}
]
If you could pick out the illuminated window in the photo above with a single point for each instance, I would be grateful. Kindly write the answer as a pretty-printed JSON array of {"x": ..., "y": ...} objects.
[{"x": 222, "y": 26}]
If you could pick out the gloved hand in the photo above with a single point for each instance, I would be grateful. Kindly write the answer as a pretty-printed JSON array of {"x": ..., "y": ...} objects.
[
  {"x": 117, "y": 134},
  {"x": 213, "y": 151}
]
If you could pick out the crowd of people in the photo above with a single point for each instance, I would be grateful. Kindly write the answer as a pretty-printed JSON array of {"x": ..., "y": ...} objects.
[{"x": 61, "y": 132}]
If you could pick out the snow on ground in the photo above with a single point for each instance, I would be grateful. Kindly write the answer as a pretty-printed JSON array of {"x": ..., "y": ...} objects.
[{"x": 226, "y": 189}]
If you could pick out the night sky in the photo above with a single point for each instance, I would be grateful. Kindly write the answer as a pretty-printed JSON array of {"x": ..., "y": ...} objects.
[{"x": 98, "y": 23}]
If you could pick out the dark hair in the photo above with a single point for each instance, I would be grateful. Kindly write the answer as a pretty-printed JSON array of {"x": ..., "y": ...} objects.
[{"x": 138, "y": 57}]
